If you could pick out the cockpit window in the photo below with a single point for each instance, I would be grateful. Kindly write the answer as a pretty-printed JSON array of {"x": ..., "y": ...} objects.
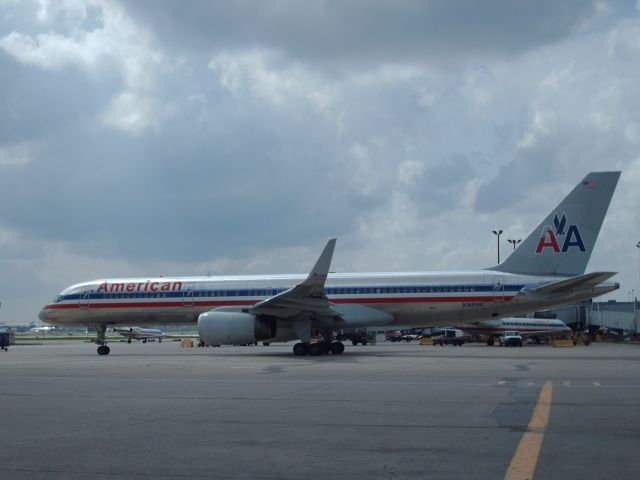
[{"x": 58, "y": 298}]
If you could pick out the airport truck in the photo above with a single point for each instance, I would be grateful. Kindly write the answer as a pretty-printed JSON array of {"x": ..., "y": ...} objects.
[
  {"x": 356, "y": 336},
  {"x": 511, "y": 339},
  {"x": 449, "y": 336}
]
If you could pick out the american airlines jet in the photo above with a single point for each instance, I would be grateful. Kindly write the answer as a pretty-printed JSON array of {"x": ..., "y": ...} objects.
[
  {"x": 547, "y": 269},
  {"x": 144, "y": 334},
  {"x": 535, "y": 328}
]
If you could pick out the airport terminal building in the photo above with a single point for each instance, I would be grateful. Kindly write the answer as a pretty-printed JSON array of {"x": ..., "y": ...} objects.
[{"x": 615, "y": 315}]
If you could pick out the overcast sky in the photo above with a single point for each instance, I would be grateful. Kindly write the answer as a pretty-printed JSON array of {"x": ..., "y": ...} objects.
[{"x": 202, "y": 137}]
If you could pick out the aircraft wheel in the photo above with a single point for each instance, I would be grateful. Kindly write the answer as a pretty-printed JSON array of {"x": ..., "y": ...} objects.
[
  {"x": 364, "y": 341},
  {"x": 103, "y": 350},
  {"x": 301, "y": 349},
  {"x": 337, "y": 347},
  {"x": 316, "y": 349},
  {"x": 128, "y": 340}
]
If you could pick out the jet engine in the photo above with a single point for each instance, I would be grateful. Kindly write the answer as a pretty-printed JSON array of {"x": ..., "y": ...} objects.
[{"x": 232, "y": 328}]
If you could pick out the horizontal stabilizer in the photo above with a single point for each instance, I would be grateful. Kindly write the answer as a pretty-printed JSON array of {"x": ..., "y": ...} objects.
[{"x": 579, "y": 282}]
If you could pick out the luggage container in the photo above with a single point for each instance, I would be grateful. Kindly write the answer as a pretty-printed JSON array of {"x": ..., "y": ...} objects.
[{"x": 6, "y": 339}]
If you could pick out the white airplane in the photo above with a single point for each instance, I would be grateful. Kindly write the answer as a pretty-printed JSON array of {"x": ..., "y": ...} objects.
[
  {"x": 44, "y": 328},
  {"x": 546, "y": 270},
  {"x": 137, "y": 333},
  {"x": 535, "y": 328}
]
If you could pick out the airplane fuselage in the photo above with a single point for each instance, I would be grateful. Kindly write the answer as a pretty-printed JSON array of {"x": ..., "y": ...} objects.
[
  {"x": 137, "y": 333},
  {"x": 421, "y": 299},
  {"x": 524, "y": 326}
]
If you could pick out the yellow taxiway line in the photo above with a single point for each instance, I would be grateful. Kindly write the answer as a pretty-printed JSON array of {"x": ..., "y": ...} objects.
[{"x": 524, "y": 461}]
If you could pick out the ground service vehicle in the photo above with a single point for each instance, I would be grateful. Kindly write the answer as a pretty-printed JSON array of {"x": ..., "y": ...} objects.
[
  {"x": 6, "y": 339},
  {"x": 511, "y": 339},
  {"x": 355, "y": 336},
  {"x": 449, "y": 336}
]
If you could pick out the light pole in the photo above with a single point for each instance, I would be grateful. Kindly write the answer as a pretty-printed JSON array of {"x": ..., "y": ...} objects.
[
  {"x": 635, "y": 310},
  {"x": 498, "y": 233},
  {"x": 514, "y": 242},
  {"x": 638, "y": 247}
]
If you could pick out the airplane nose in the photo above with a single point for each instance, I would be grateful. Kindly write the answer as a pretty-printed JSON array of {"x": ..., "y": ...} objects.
[{"x": 42, "y": 315}]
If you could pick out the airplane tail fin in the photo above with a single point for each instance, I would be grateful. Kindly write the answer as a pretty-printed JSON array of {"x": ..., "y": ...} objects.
[{"x": 563, "y": 242}]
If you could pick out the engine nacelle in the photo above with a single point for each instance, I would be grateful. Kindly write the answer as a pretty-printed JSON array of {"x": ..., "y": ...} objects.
[{"x": 232, "y": 328}]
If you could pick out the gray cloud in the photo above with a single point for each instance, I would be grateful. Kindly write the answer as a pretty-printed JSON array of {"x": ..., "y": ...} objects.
[
  {"x": 364, "y": 31},
  {"x": 158, "y": 137}
]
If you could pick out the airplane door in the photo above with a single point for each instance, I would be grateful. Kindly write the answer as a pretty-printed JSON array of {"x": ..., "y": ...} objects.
[
  {"x": 187, "y": 299},
  {"x": 84, "y": 299},
  {"x": 498, "y": 289}
]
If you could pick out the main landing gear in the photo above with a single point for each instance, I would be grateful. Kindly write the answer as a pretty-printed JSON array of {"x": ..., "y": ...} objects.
[
  {"x": 101, "y": 340},
  {"x": 319, "y": 348}
]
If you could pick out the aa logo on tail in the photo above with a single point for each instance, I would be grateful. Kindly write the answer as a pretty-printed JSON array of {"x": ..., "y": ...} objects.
[{"x": 551, "y": 237}]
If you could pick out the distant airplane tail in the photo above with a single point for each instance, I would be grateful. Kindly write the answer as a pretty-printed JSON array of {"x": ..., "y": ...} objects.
[{"x": 563, "y": 242}]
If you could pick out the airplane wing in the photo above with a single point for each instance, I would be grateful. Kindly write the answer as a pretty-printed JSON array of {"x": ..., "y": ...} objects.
[
  {"x": 579, "y": 282},
  {"x": 306, "y": 297}
]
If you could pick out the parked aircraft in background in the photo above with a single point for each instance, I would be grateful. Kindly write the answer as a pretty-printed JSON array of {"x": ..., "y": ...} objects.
[
  {"x": 535, "y": 328},
  {"x": 44, "y": 328},
  {"x": 137, "y": 333},
  {"x": 547, "y": 269}
]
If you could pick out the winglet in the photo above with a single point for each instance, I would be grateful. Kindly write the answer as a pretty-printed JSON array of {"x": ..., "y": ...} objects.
[
  {"x": 307, "y": 296},
  {"x": 320, "y": 270}
]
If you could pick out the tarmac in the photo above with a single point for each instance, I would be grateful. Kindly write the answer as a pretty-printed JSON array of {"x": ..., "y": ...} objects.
[{"x": 390, "y": 411}]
